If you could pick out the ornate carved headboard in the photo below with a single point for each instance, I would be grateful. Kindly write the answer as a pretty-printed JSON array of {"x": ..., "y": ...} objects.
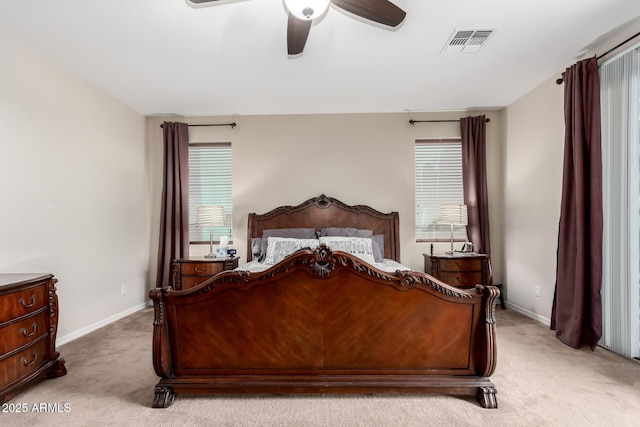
[{"x": 321, "y": 212}]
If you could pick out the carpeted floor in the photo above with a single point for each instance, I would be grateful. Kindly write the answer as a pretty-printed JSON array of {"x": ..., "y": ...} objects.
[{"x": 540, "y": 382}]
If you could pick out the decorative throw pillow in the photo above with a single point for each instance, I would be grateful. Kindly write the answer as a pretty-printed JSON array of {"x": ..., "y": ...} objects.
[
  {"x": 293, "y": 233},
  {"x": 361, "y": 247},
  {"x": 278, "y": 248}
]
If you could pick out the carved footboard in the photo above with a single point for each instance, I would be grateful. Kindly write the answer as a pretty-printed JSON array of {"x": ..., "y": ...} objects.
[{"x": 324, "y": 322}]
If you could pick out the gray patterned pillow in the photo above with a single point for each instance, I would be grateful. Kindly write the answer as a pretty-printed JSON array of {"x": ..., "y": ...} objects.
[
  {"x": 361, "y": 247},
  {"x": 278, "y": 248},
  {"x": 294, "y": 233}
]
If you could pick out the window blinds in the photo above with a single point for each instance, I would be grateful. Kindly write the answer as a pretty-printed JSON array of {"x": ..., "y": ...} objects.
[
  {"x": 210, "y": 185},
  {"x": 620, "y": 110},
  {"x": 438, "y": 169}
]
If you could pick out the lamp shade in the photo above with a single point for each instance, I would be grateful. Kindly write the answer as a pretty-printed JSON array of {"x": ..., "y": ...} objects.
[
  {"x": 307, "y": 9},
  {"x": 209, "y": 216},
  {"x": 451, "y": 214}
]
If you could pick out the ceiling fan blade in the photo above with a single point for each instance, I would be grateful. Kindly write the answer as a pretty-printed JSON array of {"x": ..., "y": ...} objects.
[
  {"x": 297, "y": 33},
  {"x": 381, "y": 11}
]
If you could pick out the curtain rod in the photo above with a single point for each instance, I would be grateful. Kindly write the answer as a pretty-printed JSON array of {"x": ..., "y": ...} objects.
[
  {"x": 487, "y": 120},
  {"x": 560, "y": 80},
  {"x": 233, "y": 124}
]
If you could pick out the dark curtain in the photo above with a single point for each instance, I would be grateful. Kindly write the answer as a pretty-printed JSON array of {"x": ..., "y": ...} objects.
[
  {"x": 174, "y": 220},
  {"x": 576, "y": 315},
  {"x": 474, "y": 179}
]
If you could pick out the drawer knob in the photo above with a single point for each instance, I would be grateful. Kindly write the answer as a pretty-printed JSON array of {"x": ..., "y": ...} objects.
[
  {"x": 33, "y": 362},
  {"x": 25, "y": 305},
  {"x": 23, "y": 331},
  {"x": 199, "y": 270}
]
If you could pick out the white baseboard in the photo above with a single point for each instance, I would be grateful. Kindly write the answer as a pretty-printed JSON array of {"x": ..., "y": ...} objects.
[
  {"x": 528, "y": 313},
  {"x": 87, "y": 330}
]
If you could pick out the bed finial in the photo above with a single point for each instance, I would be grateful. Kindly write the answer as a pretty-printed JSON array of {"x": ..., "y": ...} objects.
[{"x": 323, "y": 201}]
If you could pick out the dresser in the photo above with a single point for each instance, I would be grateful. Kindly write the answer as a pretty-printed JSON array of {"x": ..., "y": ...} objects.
[
  {"x": 28, "y": 327},
  {"x": 191, "y": 271},
  {"x": 460, "y": 270}
]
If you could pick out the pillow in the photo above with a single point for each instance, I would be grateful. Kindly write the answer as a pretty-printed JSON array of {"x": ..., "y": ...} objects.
[
  {"x": 378, "y": 247},
  {"x": 361, "y": 247},
  {"x": 255, "y": 247},
  {"x": 278, "y": 248},
  {"x": 345, "y": 232},
  {"x": 293, "y": 233}
]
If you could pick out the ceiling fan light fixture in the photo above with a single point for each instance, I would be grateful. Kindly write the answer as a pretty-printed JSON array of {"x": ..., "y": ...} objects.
[{"x": 307, "y": 10}]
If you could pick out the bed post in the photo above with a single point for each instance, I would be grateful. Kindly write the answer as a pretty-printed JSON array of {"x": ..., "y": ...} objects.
[
  {"x": 163, "y": 395},
  {"x": 486, "y": 395}
]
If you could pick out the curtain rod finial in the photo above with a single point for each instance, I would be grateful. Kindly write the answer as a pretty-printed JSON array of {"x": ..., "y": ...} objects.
[{"x": 559, "y": 81}]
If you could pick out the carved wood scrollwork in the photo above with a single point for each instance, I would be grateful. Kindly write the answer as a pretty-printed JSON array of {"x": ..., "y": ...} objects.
[
  {"x": 324, "y": 261},
  {"x": 411, "y": 278},
  {"x": 156, "y": 296},
  {"x": 322, "y": 268}
]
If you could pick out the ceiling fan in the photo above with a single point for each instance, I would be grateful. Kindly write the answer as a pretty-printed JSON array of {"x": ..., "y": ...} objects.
[{"x": 303, "y": 12}]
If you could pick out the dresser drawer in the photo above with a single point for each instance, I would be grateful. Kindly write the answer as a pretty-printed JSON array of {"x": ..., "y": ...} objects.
[
  {"x": 461, "y": 279},
  {"x": 20, "y": 303},
  {"x": 18, "y": 334},
  {"x": 460, "y": 264},
  {"x": 21, "y": 364}
]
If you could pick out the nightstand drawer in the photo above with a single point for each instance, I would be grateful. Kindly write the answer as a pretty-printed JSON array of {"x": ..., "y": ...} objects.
[
  {"x": 460, "y": 264},
  {"x": 202, "y": 268},
  {"x": 461, "y": 279},
  {"x": 187, "y": 282}
]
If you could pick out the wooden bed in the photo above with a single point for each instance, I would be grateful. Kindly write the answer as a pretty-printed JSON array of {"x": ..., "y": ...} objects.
[{"x": 324, "y": 322}]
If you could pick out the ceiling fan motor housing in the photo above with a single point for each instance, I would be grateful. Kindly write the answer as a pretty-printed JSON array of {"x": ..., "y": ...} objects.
[{"x": 307, "y": 9}]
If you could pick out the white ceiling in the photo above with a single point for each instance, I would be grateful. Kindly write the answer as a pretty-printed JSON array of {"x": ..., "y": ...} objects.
[{"x": 165, "y": 57}]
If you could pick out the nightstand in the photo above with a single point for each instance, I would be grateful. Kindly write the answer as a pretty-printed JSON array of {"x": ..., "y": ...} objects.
[
  {"x": 462, "y": 271},
  {"x": 191, "y": 271}
]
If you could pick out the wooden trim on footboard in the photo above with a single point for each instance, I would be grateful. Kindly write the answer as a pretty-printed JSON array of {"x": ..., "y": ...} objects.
[{"x": 323, "y": 322}]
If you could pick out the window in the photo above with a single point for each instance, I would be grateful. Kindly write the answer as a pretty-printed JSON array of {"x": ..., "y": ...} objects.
[
  {"x": 209, "y": 185},
  {"x": 438, "y": 167}
]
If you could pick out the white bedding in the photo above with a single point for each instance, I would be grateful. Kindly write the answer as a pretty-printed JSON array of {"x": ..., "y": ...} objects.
[{"x": 387, "y": 265}]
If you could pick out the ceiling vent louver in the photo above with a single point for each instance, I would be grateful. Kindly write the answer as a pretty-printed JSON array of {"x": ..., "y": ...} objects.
[{"x": 466, "y": 41}]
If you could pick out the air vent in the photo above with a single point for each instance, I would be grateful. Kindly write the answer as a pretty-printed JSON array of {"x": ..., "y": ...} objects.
[{"x": 466, "y": 41}]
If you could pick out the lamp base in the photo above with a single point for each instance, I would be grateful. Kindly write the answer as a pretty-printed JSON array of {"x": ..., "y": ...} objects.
[{"x": 210, "y": 256}]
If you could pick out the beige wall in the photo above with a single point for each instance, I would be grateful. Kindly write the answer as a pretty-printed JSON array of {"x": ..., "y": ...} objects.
[
  {"x": 73, "y": 189},
  {"x": 357, "y": 158},
  {"x": 532, "y": 187}
]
